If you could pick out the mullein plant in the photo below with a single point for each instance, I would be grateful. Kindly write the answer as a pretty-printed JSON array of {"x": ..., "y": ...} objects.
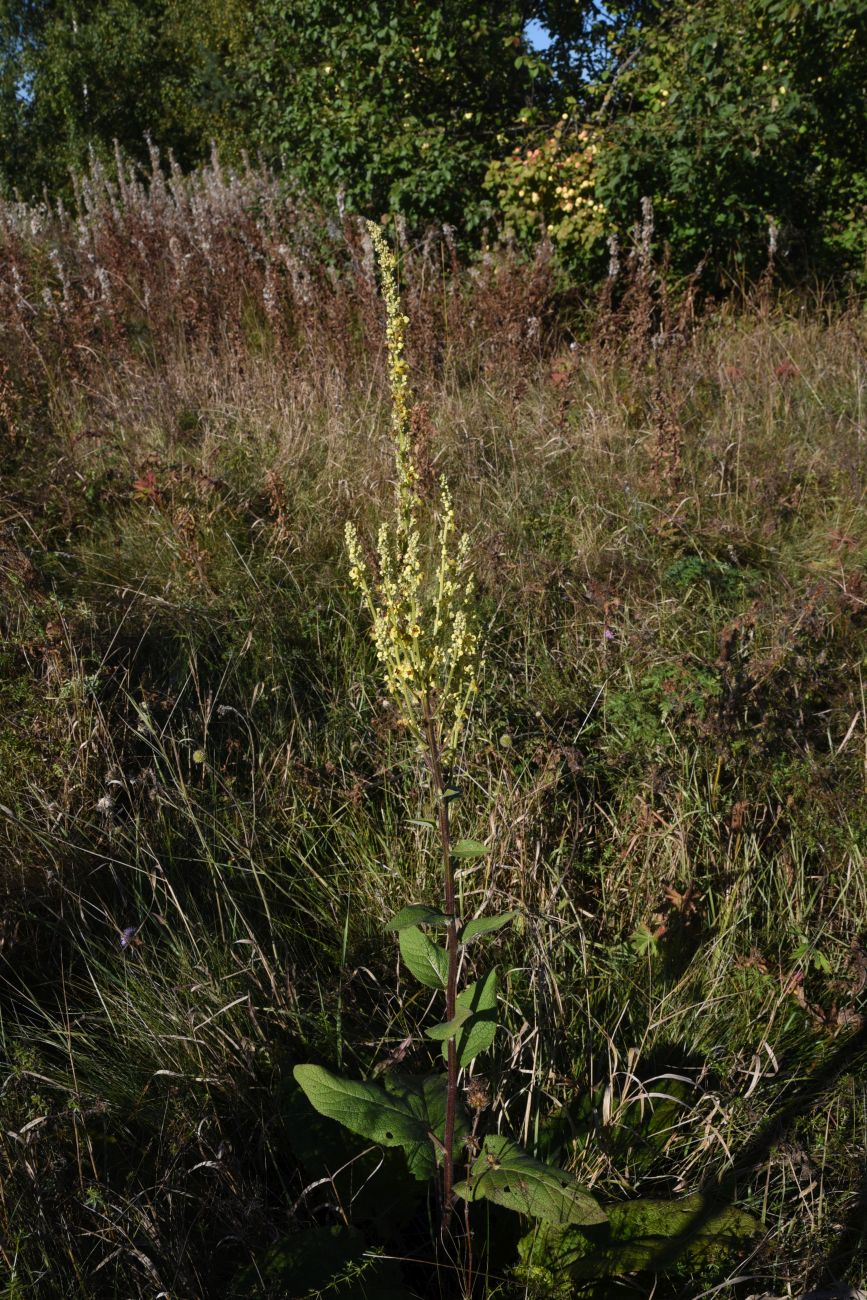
[{"x": 418, "y": 599}]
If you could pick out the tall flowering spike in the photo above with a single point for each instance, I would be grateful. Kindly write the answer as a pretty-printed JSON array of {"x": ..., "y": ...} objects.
[
  {"x": 398, "y": 375},
  {"x": 419, "y": 600}
]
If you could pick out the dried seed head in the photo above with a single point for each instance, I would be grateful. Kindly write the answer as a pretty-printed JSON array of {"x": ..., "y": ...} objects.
[{"x": 478, "y": 1093}]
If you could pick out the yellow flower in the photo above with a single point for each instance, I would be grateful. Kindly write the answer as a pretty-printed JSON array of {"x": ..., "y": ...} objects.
[{"x": 419, "y": 600}]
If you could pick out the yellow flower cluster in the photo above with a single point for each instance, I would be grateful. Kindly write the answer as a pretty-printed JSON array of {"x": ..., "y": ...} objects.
[
  {"x": 420, "y": 598},
  {"x": 398, "y": 373}
]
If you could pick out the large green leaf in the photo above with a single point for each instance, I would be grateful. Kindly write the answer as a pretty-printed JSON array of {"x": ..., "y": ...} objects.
[
  {"x": 479, "y": 1026},
  {"x": 469, "y": 849},
  {"x": 363, "y": 1108},
  {"x": 485, "y": 924},
  {"x": 426, "y": 1098},
  {"x": 399, "y": 1112},
  {"x": 650, "y": 1235},
  {"x": 503, "y": 1172},
  {"x": 417, "y": 914},
  {"x": 375, "y": 1180},
  {"x": 426, "y": 960}
]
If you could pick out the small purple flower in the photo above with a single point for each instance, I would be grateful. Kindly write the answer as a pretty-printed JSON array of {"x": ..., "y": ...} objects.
[
  {"x": 608, "y": 633},
  {"x": 128, "y": 935}
]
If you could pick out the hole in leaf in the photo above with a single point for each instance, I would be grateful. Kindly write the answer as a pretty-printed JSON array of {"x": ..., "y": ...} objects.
[
  {"x": 507, "y": 1190},
  {"x": 389, "y": 1136}
]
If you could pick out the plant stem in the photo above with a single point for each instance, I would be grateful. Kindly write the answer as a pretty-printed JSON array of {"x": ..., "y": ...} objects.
[{"x": 435, "y": 760}]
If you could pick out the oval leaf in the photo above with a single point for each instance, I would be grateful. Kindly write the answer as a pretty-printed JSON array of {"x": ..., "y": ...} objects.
[
  {"x": 477, "y": 1033},
  {"x": 485, "y": 925},
  {"x": 363, "y": 1108},
  {"x": 426, "y": 961},
  {"x": 417, "y": 914},
  {"x": 469, "y": 849},
  {"x": 449, "y": 1028},
  {"x": 504, "y": 1173},
  {"x": 400, "y": 1112}
]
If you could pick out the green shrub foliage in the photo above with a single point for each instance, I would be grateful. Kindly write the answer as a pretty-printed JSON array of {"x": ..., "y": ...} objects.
[{"x": 744, "y": 121}]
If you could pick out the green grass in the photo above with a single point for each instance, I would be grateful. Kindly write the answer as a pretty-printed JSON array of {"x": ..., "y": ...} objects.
[{"x": 668, "y": 759}]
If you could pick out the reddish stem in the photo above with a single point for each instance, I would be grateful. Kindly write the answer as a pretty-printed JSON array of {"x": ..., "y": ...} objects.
[{"x": 435, "y": 759}]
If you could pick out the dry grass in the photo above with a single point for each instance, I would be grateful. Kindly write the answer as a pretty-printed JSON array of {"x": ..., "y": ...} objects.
[{"x": 669, "y": 757}]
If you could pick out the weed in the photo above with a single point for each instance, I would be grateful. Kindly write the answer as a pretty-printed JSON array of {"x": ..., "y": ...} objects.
[{"x": 675, "y": 657}]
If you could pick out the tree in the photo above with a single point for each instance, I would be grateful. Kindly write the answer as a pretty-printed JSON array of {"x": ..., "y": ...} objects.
[
  {"x": 76, "y": 76},
  {"x": 740, "y": 118},
  {"x": 395, "y": 106}
]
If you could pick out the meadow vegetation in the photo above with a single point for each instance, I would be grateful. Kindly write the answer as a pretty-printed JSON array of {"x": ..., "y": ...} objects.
[{"x": 210, "y": 807}]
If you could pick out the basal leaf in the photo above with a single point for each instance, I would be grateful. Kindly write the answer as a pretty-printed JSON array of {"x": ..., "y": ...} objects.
[
  {"x": 362, "y": 1107},
  {"x": 425, "y": 1097},
  {"x": 469, "y": 849},
  {"x": 399, "y": 1112},
  {"x": 641, "y": 1235},
  {"x": 485, "y": 924},
  {"x": 417, "y": 914},
  {"x": 375, "y": 1180},
  {"x": 504, "y": 1173},
  {"x": 426, "y": 960}
]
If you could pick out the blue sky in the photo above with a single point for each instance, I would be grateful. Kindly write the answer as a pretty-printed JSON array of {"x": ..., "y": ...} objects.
[{"x": 537, "y": 35}]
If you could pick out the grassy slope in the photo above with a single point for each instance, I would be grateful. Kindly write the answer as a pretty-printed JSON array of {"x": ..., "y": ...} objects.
[{"x": 669, "y": 759}]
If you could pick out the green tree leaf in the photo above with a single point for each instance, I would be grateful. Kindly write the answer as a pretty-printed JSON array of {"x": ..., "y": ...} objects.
[
  {"x": 417, "y": 914},
  {"x": 504, "y": 1173},
  {"x": 485, "y": 925},
  {"x": 426, "y": 960},
  {"x": 730, "y": 115},
  {"x": 385, "y": 109},
  {"x": 115, "y": 71}
]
